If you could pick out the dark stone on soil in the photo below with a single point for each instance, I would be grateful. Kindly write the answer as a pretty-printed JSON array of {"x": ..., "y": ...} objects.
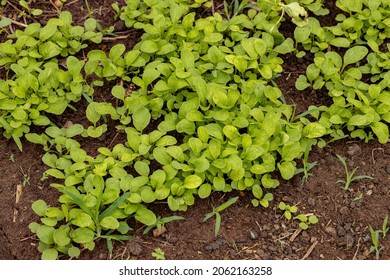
[
  {"x": 311, "y": 201},
  {"x": 341, "y": 231},
  {"x": 134, "y": 248},
  {"x": 215, "y": 245},
  {"x": 347, "y": 226},
  {"x": 350, "y": 240},
  {"x": 388, "y": 169},
  {"x": 331, "y": 230},
  {"x": 254, "y": 235},
  {"x": 354, "y": 150},
  {"x": 344, "y": 210}
]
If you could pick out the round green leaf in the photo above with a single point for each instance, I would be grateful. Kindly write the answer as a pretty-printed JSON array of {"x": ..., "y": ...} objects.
[
  {"x": 192, "y": 182},
  {"x": 109, "y": 223},
  {"x": 49, "y": 254},
  {"x": 39, "y": 207},
  {"x": 145, "y": 216}
]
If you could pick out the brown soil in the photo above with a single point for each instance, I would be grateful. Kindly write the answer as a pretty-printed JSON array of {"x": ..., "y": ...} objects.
[{"x": 246, "y": 232}]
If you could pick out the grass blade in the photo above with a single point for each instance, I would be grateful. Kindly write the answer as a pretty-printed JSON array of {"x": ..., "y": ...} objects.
[{"x": 114, "y": 205}]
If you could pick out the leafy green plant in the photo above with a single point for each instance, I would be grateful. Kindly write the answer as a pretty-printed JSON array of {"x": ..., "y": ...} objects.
[
  {"x": 306, "y": 220},
  {"x": 158, "y": 254},
  {"x": 216, "y": 212},
  {"x": 350, "y": 175}
]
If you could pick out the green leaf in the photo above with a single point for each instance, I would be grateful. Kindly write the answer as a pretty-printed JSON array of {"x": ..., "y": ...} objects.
[
  {"x": 204, "y": 191},
  {"x": 160, "y": 154},
  {"x": 240, "y": 63},
  {"x": 219, "y": 183},
  {"x": 141, "y": 118},
  {"x": 286, "y": 47},
  {"x": 301, "y": 83},
  {"x": 301, "y": 34},
  {"x": 201, "y": 164},
  {"x": 213, "y": 38},
  {"x": 286, "y": 169},
  {"x": 381, "y": 131},
  {"x": 355, "y": 54},
  {"x": 145, "y": 216},
  {"x": 45, "y": 234},
  {"x": 47, "y": 31},
  {"x": 61, "y": 237},
  {"x": 49, "y": 254},
  {"x": 149, "y": 46},
  {"x": 192, "y": 182},
  {"x": 109, "y": 223},
  {"x": 39, "y": 207},
  {"x": 7, "y": 104},
  {"x": 340, "y": 42},
  {"x": 314, "y": 130},
  {"x": 142, "y": 168},
  {"x": 82, "y": 235},
  {"x": 358, "y": 120}
]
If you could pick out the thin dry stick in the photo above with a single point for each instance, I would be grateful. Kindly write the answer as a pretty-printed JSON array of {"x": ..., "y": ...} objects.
[
  {"x": 310, "y": 250},
  {"x": 114, "y": 38},
  {"x": 19, "y": 190},
  {"x": 296, "y": 233},
  {"x": 357, "y": 249},
  {"x": 14, "y": 21}
]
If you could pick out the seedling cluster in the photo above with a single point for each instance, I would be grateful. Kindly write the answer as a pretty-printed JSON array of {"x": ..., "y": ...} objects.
[{"x": 206, "y": 114}]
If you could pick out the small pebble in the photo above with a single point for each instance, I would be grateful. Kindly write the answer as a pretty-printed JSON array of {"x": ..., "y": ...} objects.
[
  {"x": 369, "y": 192},
  {"x": 331, "y": 230},
  {"x": 388, "y": 169},
  {"x": 350, "y": 240},
  {"x": 344, "y": 210},
  {"x": 347, "y": 226},
  {"x": 341, "y": 231},
  {"x": 354, "y": 150}
]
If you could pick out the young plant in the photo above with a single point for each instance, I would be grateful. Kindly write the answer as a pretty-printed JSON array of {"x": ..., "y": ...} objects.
[
  {"x": 160, "y": 222},
  {"x": 216, "y": 212},
  {"x": 385, "y": 227},
  {"x": 350, "y": 175},
  {"x": 288, "y": 210},
  {"x": 375, "y": 242},
  {"x": 158, "y": 254},
  {"x": 306, "y": 220}
]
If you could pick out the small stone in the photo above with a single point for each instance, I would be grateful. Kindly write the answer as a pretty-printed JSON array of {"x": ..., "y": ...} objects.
[
  {"x": 276, "y": 227},
  {"x": 134, "y": 248},
  {"x": 305, "y": 236},
  {"x": 344, "y": 210},
  {"x": 322, "y": 256},
  {"x": 254, "y": 235},
  {"x": 331, "y": 230},
  {"x": 311, "y": 201},
  {"x": 313, "y": 239},
  {"x": 264, "y": 234},
  {"x": 350, "y": 240},
  {"x": 369, "y": 192},
  {"x": 341, "y": 231},
  {"x": 354, "y": 150},
  {"x": 367, "y": 238},
  {"x": 388, "y": 169},
  {"x": 347, "y": 226}
]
